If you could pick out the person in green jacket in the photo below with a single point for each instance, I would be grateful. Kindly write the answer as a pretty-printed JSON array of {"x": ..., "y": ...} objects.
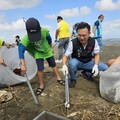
[{"x": 38, "y": 43}]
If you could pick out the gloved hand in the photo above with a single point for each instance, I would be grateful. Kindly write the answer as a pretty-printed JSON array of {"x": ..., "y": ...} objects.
[
  {"x": 64, "y": 69},
  {"x": 92, "y": 35},
  {"x": 95, "y": 70}
]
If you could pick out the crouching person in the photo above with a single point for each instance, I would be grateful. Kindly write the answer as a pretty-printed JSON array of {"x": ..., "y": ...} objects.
[
  {"x": 84, "y": 52},
  {"x": 38, "y": 43}
]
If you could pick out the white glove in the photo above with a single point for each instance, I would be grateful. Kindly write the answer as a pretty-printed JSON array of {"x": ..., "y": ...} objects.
[
  {"x": 92, "y": 35},
  {"x": 64, "y": 69},
  {"x": 95, "y": 70}
]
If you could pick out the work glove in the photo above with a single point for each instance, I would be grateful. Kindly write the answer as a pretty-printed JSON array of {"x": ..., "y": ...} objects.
[
  {"x": 95, "y": 70},
  {"x": 64, "y": 69},
  {"x": 92, "y": 35}
]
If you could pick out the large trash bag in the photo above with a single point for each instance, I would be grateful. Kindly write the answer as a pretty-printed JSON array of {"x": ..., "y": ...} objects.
[
  {"x": 110, "y": 84},
  {"x": 11, "y": 59}
]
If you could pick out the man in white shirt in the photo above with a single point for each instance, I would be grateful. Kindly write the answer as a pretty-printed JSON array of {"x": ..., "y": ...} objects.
[{"x": 84, "y": 52}]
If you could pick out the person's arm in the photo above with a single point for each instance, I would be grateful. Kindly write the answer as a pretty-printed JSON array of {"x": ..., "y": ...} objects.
[
  {"x": 21, "y": 50},
  {"x": 96, "y": 58},
  {"x": 65, "y": 57},
  {"x": 8, "y": 45},
  {"x": 96, "y": 24},
  {"x": 1, "y": 61},
  {"x": 57, "y": 31},
  {"x": 49, "y": 39}
]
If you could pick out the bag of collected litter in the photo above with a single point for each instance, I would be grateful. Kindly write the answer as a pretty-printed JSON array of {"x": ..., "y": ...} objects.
[{"x": 110, "y": 83}]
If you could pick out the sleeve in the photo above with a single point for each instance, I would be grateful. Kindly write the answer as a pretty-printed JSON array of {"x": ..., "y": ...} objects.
[
  {"x": 49, "y": 39},
  {"x": 21, "y": 50},
  {"x": 96, "y": 48},
  {"x": 96, "y": 23},
  {"x": 69, "y": 49},
  {"x": 58, "y": 26},
  {"x": 2, "y": 42}
]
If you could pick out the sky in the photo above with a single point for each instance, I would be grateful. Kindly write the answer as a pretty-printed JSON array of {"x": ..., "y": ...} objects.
[{"x": 12, "y": 13}]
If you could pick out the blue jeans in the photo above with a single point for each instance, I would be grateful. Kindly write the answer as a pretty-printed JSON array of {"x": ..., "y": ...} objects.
[
  {"x": 74, "y": 65},
  {"x": 63, "y": 43},
  {"x": 100, "y": 43}
]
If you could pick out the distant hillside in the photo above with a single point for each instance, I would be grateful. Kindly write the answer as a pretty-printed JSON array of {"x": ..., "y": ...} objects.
[{"x": 112, "y": 41}]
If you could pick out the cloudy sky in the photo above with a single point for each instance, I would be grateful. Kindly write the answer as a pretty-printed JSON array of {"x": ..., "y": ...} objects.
[{"x": 12, "y": 13}]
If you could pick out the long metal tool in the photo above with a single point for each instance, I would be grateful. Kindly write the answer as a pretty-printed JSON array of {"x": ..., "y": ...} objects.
[
  {"x": 30, "y": 87},
  {"x": 67, "y": 100},
  {"x": 55, "y": 44}
]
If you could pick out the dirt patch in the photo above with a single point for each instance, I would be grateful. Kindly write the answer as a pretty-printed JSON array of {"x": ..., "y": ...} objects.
[{"x": 85, "y": 99}]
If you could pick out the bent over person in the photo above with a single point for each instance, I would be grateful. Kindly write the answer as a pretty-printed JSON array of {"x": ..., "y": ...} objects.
[
  {"x": 38, "y": 43},
  {"x": 84, "y": 52}
]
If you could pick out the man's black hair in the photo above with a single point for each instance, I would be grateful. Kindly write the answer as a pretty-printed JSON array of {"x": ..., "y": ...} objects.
[
  {"x": 82, "y": 25},
  {"x": 59, "y": 17},
  {"x": 17, "y": 36},
  {"x": 100, "y": 16}
]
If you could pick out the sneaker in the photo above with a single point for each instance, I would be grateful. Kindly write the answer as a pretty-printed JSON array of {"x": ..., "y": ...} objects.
[
  {"x": 72, "y": 83},
  {"x": 87, "y": 76},
  {"x": 58, "y": 61}
]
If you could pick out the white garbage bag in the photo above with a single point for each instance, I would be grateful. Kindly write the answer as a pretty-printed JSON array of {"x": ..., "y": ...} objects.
[
  {"x": 11, "y": 59},
  {"x": 110, "y": 84}
]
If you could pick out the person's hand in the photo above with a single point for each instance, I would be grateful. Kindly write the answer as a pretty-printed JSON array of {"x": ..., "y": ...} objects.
[
  {"x": 52, "y": 50},
  {"x": 23, "y": 69},
  {"x": 1, "y": 61},
  {"x": 56, "y": 40},
  {"x": 92, "y": 35},
  {"x": 95, "y": 70},
  {"x": 65, "y": 69}
]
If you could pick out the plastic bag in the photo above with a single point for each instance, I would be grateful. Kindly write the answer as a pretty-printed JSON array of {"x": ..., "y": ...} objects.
[
  {"x": 110, "y": 84},
  {"x": 11, "y": 59}
]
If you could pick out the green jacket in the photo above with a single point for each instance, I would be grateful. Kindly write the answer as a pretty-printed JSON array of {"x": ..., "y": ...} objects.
[{"x": 39, "y": 49}]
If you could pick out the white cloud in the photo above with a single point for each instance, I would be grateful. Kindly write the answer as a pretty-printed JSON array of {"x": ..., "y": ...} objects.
[
  {"x": 13, "y": 4},
  {"x": 69, "y": 12},
  {"x": 73, "y": 12},
  {"x": 84, "y": 11},
  {"x": 10, "y": 30},
  {"x": 111, "y": 29},
  {"x": 2, "y": 17},
  {"x": 107, "y": 5},
  {"x": 53, "y": 16}
]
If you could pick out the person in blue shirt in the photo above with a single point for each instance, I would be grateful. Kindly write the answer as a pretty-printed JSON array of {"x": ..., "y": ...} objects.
[
  {"x": 97, "y": 30},
  {"x": 74, "y": 33}
]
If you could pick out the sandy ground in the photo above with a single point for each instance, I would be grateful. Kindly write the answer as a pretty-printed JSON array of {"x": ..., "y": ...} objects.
[{"x": 85, "y": 99}]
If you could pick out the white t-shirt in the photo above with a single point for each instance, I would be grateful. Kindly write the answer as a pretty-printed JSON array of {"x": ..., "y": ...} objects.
[{"x": 69, "y": 50}]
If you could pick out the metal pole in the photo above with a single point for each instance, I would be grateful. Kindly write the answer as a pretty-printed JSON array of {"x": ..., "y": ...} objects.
[
  {"x": 30, "y": 87},
  {"x": 67, "y": 102},
  {"x": 55, "y": 44}
]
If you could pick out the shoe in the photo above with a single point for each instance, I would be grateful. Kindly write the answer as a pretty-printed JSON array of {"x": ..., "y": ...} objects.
[
  {"x": 58, "y": 61},
  {"x": 39, "y": 91},
  {"x": 62, "y": 82},
  {"x": 87, "y": 76},
  {"x": 72, "y": 83}
]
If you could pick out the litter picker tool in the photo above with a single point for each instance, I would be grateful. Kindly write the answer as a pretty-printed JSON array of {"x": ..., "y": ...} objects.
[
  {"x": 55, "y": 44},
  {"x": 31, "y": 90},
  {"x": 67, "y": 100}
]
